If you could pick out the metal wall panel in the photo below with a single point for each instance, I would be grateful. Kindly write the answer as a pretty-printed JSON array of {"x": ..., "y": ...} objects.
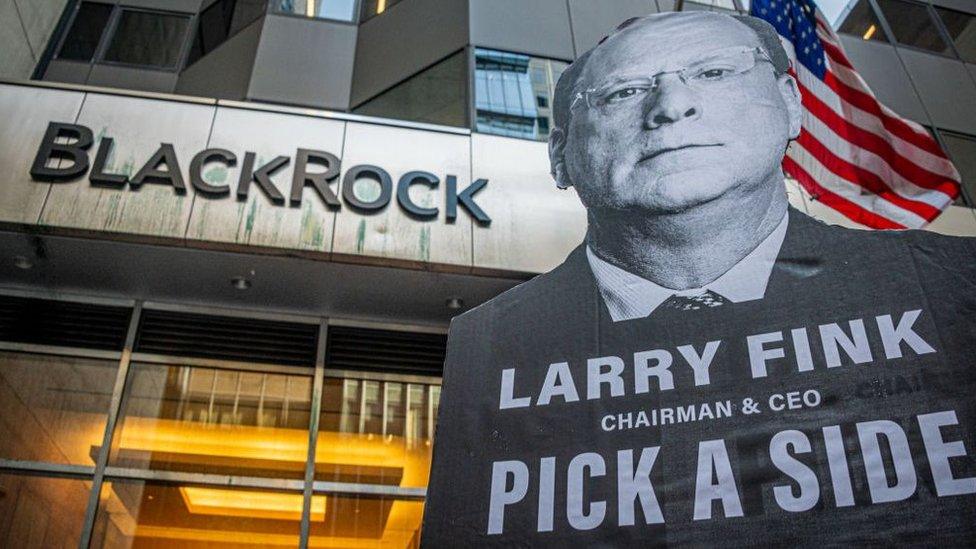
[
  {"x": 533, "y": 27},
  {"x": 535, "y": 224},
  {"x": 593, "y": 20},
  {"x": 884, "y": 73},
  {"x": 71, "y": 72},
  {"x": 303, "y": 61},
  {"x": 390, "y": 233},
  {"x": 961, "y": 5},
  {"x": 405, "y": 40},
  {"x": 132, "y": 78},
  {"x": 226, "y": 71},
  {"x": 257, "y": 221},
  {"x": 39, "y": 18},
  {"x": 17, "y": 57},
  {"x": 946, "y": 89},
  {"x": 26, "y": 112},
  {"x": 138, "y": 126}
]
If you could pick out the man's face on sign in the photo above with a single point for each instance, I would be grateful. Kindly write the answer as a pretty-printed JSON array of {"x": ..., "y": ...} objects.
[{"x": 674, "y": 112}]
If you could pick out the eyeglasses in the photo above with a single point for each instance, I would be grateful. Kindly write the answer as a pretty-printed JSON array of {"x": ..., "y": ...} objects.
[{"x": 710, "y": 71}]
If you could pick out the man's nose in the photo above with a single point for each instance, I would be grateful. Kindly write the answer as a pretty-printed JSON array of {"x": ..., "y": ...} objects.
[{"x": 673, "y": 102}]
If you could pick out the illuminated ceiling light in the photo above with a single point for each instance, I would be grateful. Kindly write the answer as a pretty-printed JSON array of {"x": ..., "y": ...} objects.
[
  {"x": 240, "y": 283},
  {"x": 454, "y": 303},
  {"x": 23, "y": 262},
  {"x": 249, "y": 503},
  {"x": 380, "y": 6},
  {"x": 870, "y": 32}
]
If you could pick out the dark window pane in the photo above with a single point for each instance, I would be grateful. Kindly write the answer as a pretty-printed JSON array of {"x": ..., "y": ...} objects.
[
  {"x": 86, "y": 31},
  {"x": 221, "y": 21},
  {"x": 343, "y": 10},
  {"x": 962, "y": 29},
  {"x": 863, "y": 22},
  {"x": 149, "y": 39},
  {"x": 962, "y": 151},
  {"x": 435, "y": 95},
  {"x": 912, "y": 25},
  {"x": 373, "y": 8}
]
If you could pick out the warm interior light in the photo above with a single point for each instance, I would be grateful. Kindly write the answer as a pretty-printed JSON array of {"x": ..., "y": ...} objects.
[
  {"x": 870, "y": 32},
  {"x": 380, "y": 6},
  {"x": 310, "y": 8},
  {"x": 246, "y": 503}
]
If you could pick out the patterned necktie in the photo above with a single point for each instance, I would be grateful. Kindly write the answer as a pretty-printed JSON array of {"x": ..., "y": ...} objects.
[{"x": 694, "y": 302}]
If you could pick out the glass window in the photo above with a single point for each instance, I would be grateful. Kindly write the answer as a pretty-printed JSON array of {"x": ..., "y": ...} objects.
[
  {"x": 206, "y": 420},
  {"x": 222, "y": 20},
  {"x": 53, "y": 408},
  {"x": 962, "y": 29},
  {"x": 85, "y": 32},
  {"x": 41, "y": 512},
  {"x": 372, "y": 8},
  {"x": 379, "y": 522},
  {"x": 342, "y": 10},
  {"x": 912, "y": 25},
  {"x": 136, "y": 513},
  {"x": 148, "y": 38},
  {"x": 962, "y": 151},
  {"x": 436, "y": 95},
  {"x": 861, "y": 21},
  {"x": 376, "y": 432},
  {"x": 513, "y": 93}
]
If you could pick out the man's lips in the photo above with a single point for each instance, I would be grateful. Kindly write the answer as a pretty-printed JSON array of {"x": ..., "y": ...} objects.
[{"x": 664, "y": 150}]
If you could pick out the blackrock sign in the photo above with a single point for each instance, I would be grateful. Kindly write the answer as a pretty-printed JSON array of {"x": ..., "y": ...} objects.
[{"x": 66, "y": 147}]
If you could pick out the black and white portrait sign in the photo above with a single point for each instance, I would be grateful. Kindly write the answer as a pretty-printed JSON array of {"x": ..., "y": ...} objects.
[{"x": 710, "y": 367}]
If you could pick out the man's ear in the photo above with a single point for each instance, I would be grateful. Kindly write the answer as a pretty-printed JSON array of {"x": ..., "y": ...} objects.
[
  {"x": 794, "y": 106},
  {"x": 557, "y": 160}
]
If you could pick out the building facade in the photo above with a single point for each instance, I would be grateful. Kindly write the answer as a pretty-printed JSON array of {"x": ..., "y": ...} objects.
[{"x": 233, "y": 234}]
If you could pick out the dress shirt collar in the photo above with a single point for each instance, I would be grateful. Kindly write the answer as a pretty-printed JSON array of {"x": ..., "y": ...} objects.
[{"x": 629, "y": 296}]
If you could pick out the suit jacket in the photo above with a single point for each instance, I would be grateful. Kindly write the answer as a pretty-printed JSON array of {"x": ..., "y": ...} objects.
[{"x": 823, "y": 275}]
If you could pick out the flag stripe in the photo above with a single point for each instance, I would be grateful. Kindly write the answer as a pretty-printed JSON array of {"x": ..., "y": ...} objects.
[
  {"x": 850, "y": 210},
  {"x": 877, "y": 165},
  {"x": 808, "y": 165},
  {"x": 844, "y": 113},
  {"x": 865, "y": 178},
  {"x": 879, "y": 146}
]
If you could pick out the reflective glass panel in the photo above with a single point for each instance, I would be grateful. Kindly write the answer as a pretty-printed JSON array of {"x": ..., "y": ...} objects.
[
  {"x": 372, "y": 8},
  {"x": 342, "y": 10},
  {"x": 861, "y": 21},
  {"x": 86, "y": 31},
  {"x": 513, "y": 93},
  {"x": 912, "y": 25},
  {"x": 376, "y": 432},
  {"x": 367, "y": 522},
  {"x": 53, "y": 408},
  {"x": 135, "y": 513},
  {"x": 148, "y": 39},
  {"x": 43, "y": 512},
  {"x": 436, "y": 95},
  {"x": 222, "y": 20},
  {"x": 962, "y": 29},
  {"x": 205, "y": 420},
  {"x": 962, "y": 151}
]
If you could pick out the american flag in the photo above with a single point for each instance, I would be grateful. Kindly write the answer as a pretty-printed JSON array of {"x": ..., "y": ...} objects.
[{"x": 854, "y": 154}]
